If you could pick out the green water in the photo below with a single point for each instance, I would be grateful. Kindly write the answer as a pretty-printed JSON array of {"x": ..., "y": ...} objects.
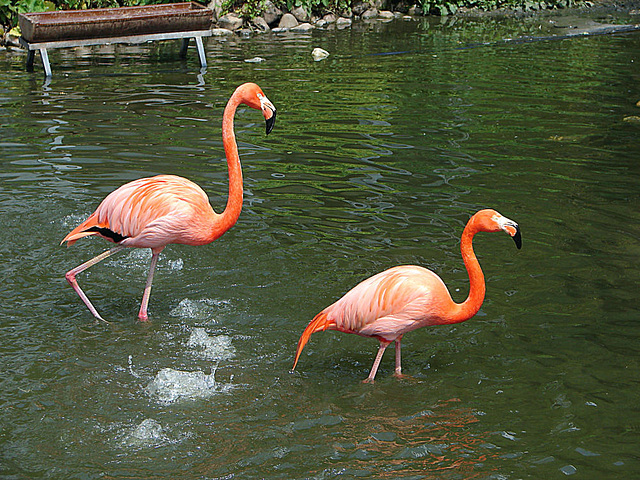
[{"x": 376, "y": 160}]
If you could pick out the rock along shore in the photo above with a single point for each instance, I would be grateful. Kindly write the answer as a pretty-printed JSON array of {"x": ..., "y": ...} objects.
[{"x": 299, "y": 20}]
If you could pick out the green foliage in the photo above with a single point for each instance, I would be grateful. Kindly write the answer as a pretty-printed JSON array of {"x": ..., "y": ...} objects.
[
  {"x": 318, "y": 6},
  {"x": 450, "y": 7},
  {"x": 252, "y": 8},
  {"x": 9, "y": 9}
]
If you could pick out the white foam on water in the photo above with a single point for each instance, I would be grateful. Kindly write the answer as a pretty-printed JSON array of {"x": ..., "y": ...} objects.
[
  {"x": 131, "y": 259},
  {"x": 73, "y": 220},
  {"x": 217, "y": 347},
  {"x": 176, "y": 264},
  {"x": 197, "y": 309},
  {"x": 149, "y": 433},
  {"x": 171, "y": 385}
]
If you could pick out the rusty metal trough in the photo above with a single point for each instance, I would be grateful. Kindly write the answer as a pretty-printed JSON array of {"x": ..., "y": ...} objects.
[{"x": 71, "y": 28}]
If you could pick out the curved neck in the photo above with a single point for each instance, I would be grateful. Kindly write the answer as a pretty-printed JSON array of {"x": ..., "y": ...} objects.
[
  {"x": 234, "y": 201},
  {"x": 477, "y": 289}
]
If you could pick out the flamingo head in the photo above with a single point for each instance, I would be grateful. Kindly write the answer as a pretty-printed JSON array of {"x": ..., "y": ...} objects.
[
  {"x": 492, "y": 221},
  {"x": 253, "y": 96}
]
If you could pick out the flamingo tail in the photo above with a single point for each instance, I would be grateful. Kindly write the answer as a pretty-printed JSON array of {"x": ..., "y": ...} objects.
[{"x": 320, "y": 323}]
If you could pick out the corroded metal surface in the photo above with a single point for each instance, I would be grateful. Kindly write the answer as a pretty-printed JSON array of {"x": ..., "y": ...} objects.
[{"x": 113, "y": 22}]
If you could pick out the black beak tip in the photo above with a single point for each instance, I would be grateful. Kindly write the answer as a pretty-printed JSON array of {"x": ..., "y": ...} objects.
[
  {"x": 271, "y": 122},
  {"x": 517, "y": 238}
]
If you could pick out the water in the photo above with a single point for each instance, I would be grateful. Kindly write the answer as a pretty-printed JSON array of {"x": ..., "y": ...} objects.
[{"x": 376, "y": 160}]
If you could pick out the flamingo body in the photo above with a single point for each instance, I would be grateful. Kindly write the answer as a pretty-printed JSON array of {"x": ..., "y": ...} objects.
[
  {"x": 404, "y": 298},
  {"x": 151, "y": 213},
  {"x": 157, "y": 211}
]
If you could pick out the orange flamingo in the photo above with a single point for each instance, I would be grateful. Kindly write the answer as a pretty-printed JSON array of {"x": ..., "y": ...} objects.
[
  {"x": 404, "y": 298},
  {"x": 157, "y": 211}
]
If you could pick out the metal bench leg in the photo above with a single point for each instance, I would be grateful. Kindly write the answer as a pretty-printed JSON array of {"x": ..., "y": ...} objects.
[
  {"x": 45, "y": 62},
  {"x": 30, "y": 56},
  {"x": 185, "y": 46},
  {"x": 203, "y": 58}
]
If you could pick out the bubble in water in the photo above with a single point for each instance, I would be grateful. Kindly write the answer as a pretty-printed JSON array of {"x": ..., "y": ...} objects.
[
  {"x": 211, "y": 348},
  {"x": 197, "y": 309},
  {"x": 74, "y": 220},
  {"x": 149, "y": 432},
  {"x": 171, "y": 385},
  {"x": 177, "y": 264}
]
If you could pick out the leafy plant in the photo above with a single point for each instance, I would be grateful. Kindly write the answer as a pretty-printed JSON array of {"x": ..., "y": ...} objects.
[
  {"x": 9, "y": 9},
  {"x": 318, "y": 6}
]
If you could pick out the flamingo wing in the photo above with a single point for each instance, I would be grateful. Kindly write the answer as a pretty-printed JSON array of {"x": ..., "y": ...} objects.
[{"x": 149, "y": 212}]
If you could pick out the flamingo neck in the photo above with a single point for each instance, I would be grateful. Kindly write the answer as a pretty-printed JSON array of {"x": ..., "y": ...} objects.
[
  {"x": 467, "y": 309},
  {"x": 230, "y": 215}
]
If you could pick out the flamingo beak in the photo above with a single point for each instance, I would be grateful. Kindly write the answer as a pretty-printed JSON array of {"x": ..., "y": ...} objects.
[
  {"x": 513, "y": 229},
  {"x": 269, "y": 112},
  {"x": 271, "y": 120},
  {"x": 517, "y": 238}
]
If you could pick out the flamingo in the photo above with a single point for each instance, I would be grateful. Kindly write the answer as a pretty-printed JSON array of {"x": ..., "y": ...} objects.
[
  {"x": 156, "y": 211},
  {"x": 404, "y": 298}
]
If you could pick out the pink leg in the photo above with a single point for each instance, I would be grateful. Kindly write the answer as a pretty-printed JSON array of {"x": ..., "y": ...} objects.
[
  {"x": 376, "y": 362},
  {"x": 398, "y": 372},
  {"x": 71, "y": 278},
  {"x": 147, "y": 289}
]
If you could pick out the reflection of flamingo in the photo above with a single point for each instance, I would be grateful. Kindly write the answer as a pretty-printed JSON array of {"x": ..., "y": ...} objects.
[
  {"x": 154, "y": 212},
  {"x": 401, "y": 299}
]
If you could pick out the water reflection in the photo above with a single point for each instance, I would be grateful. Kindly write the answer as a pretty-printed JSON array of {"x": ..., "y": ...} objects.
[{"x": 378, "y": 160}]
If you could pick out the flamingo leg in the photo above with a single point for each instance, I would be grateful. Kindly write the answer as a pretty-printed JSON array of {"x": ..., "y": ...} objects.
[
  {"x": 376, "y": 363},
  {"x": 71, "y": 278},
  {"x": 398, "y": 372},
  {"x": 142, "y": 315}
]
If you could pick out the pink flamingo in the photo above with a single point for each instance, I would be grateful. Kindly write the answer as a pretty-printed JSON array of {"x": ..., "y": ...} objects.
[
  {"x": 157, "y": 211},
  {"x": 404, "y": 298}
]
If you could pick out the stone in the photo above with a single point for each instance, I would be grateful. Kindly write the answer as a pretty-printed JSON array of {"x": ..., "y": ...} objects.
[
  {"x": 343, "y": 22},
  {"x": 319, "y": 54},
  {"x": 359, "y": 8},
  {"x": 303, "y": 28},
  {"x": 385, "y": 14},
  {"x": 329, "y": 18},
  {"x": 301, "y": 14},
  {"x": 221, "y": 32},
  {"x": 216, "y": 7},
  {"x": 288, "y": 21},
  {"x": 272, "y": 14},
  {"x": 371, "y": 13},
  {"x": 260, "y": 24},
  {"x": 230, "y": 21}
]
